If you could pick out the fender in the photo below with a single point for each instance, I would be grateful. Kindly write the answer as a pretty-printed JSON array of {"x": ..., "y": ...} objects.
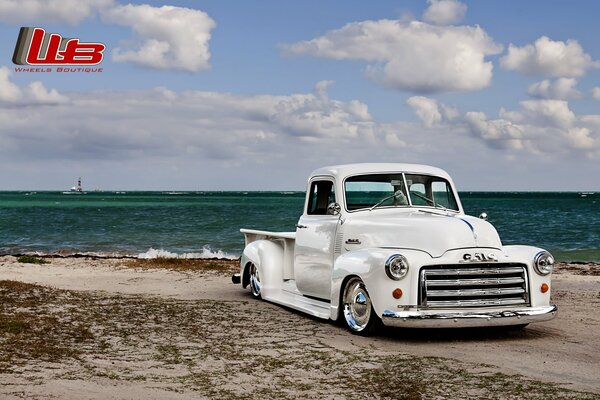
[
  {"x": 267, "y": 255},
  {"x": 368, "y": 265},
  {"x": 526, "y": 255}
]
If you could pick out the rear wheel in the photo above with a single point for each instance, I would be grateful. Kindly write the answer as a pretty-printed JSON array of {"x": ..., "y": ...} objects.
[
  {"x": 359, "y": 314},
  {"x": 255, "y": 285}
]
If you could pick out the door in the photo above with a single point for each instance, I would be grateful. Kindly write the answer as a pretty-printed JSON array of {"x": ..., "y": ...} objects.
[{"x": 315, "y": 237}]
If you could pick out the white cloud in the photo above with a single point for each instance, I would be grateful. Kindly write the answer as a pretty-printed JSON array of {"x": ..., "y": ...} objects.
[
  {"x": 555, "y": 113},
  {"x": 312, "y": 118},
  {"x": 35, "y": 93},
  {"x": 411, "y": 55},
  {"x": 426, "y": 109},
  {"x": 68, "y": 11},
  {"x": 539, "y": 127},
  {"x": 596, "y": 93},
  {"x": 116, "y": 125},
  {"x": 168, "y": 37},
  {"x": 561, "y": 89},
  {"x": 9, "y": 92},
  {"x": 548, "y": 57},
  {"x": 580, "y": 138},
  {"x": 444, "y": 12},
  {"x": 498, "y": 133},
  {"x": 140, "y": 138},
  {"x": 430, "y": 112}
]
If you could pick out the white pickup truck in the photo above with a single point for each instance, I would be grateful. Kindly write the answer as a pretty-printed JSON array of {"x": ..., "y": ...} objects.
[{"x": 390, "y": 243}]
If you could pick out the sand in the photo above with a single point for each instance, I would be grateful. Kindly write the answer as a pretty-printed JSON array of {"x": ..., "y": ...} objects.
[{"x": 110, "y": 328}]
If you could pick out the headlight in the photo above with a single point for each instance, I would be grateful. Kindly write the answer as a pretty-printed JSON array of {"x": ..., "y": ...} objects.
[
  {"x": 396, "y": 267},
  {"x": 543, "y": 263}
]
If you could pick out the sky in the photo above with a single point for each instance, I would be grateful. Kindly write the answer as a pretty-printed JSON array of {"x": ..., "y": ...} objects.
[{"x": 254, "y": 95}]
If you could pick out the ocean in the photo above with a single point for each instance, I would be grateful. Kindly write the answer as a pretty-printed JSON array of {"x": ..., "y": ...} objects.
[{"x": 206, "y": 224}]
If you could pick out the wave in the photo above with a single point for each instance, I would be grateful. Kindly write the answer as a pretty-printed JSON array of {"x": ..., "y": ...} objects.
[{"x": 206, "y": 252}]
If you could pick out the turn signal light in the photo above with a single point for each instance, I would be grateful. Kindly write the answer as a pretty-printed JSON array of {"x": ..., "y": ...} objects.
[
  {"x": 544, "y": 288},
  {"x": 397, "y": 293}
]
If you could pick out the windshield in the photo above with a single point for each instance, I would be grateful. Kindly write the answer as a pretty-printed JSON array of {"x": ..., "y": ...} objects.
[{"x": 390, "y": 190}]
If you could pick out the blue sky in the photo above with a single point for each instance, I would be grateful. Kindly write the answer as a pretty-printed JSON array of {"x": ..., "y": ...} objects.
[{"x": 504, "y": 95}]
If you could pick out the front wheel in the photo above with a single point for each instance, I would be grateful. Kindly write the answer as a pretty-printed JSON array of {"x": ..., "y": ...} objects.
[
  {"x": 255, "y": 285},
  {"x": 359, "y": 314}
]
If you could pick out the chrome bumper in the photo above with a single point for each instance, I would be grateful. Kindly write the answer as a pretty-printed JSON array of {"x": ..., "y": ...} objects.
[{"x": 463, "y": 319}]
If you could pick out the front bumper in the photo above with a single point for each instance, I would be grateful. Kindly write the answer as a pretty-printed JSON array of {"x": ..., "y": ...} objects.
[{"x": 467, "y": 318}]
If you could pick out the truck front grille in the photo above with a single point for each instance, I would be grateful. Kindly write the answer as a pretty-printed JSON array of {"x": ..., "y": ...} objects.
[{"x": 473, "y": 285}]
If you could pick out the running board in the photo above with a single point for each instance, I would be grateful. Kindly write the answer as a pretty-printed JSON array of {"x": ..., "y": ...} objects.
[{"x": 316, "y": 308}]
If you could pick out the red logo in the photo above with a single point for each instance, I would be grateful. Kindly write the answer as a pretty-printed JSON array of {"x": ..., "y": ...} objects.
[{"x": 36, "y": 47}]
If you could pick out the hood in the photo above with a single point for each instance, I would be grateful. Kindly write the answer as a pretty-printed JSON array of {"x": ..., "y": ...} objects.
[{"x": 434, "y": 233}]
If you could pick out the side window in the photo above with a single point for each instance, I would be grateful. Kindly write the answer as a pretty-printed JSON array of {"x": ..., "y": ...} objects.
[
  {"x": 322, "y": 193},
  {"x": 442, "y": 195}
]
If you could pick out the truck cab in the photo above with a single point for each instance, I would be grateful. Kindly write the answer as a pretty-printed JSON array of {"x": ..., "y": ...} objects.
[{"x": 390, "y": 243}]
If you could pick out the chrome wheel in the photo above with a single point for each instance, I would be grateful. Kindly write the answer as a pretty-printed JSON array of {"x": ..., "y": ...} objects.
[
  {"x": 255, "y": 285},
  {"x": 358, "y": 310}
]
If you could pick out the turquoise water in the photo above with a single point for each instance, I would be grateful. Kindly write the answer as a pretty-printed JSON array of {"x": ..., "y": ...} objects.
[{"x": 207, "y": 223}]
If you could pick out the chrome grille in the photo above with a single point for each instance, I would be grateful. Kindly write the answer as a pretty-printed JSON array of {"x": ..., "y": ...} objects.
[{"x": 481, "y": 285}]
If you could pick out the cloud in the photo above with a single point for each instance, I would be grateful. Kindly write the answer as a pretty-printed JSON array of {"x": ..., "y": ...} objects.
[
  {"x": 311, "y": 117},
  {"x": 67, "y": 11},
  {"x": 162, "y": 138},
  {"x": 413, "y": 56},
  {"x": 555, "y": 113},
  {"x": 547, "y": 127},
  {"x": 444, "y": 12},
  {"x": 167, "y": 37},
  {"x": 430, "y": 112},
  {"x": 9, "y": 92},
  {"x": 35, "y": 93},
  {"x": 548, "y": 57},
  {"x": 162, "y": 123},
  {"x": 539, "y": 127},
  {"x": 561, "y": 88},
  {"x": 580, "y": 138},
  {"x": 498, "y": 133},
  {"x": 596, "y": 93}
]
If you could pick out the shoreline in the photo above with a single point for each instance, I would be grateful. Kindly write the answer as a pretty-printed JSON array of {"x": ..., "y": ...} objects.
[{"x": 176, "y": 256}]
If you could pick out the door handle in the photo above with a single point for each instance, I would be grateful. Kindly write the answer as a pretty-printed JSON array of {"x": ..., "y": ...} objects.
[{"x": 301, "y": 226}]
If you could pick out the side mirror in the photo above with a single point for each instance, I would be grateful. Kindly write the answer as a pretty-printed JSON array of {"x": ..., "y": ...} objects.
[
  {"x": 333, "y": 209},
  {"x": 483, "y": 216}
]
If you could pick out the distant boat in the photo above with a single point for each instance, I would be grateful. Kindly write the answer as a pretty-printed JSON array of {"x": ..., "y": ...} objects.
[{"x": 76, "y": 189}]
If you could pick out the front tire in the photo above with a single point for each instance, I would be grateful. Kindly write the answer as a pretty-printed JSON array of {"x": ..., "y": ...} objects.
[
  {"x": 255, "y": 284},
  {"x": 359, "y": 314}
]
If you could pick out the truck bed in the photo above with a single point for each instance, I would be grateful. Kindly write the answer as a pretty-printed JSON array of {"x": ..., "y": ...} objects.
[{"x": 252, "y": 235}]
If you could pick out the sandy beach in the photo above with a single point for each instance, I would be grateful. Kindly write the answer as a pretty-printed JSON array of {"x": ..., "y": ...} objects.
[{"x": 83, "y": 328}]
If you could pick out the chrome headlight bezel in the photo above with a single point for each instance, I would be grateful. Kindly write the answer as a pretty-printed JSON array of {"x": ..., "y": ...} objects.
[
  {"x": 396, "y": 267},
  {"x": 543, "y": 263}
]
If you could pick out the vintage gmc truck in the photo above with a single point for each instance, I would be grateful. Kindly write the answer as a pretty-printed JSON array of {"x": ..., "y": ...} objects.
[{"x": 390, "y": 243}]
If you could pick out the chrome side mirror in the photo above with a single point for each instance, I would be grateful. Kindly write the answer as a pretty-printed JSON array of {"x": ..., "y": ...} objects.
[
  {"x": 483, "y": 216},
  {"x": 333, "y": 209}
]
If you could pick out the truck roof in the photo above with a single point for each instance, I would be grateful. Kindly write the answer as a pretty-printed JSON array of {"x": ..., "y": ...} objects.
[{"x": 342, "y": 171}]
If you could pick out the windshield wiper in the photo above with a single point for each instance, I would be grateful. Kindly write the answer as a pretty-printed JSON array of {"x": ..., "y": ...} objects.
[
  {"x": 397, "y": 193},
  {"x": 436, "y": 205}
]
